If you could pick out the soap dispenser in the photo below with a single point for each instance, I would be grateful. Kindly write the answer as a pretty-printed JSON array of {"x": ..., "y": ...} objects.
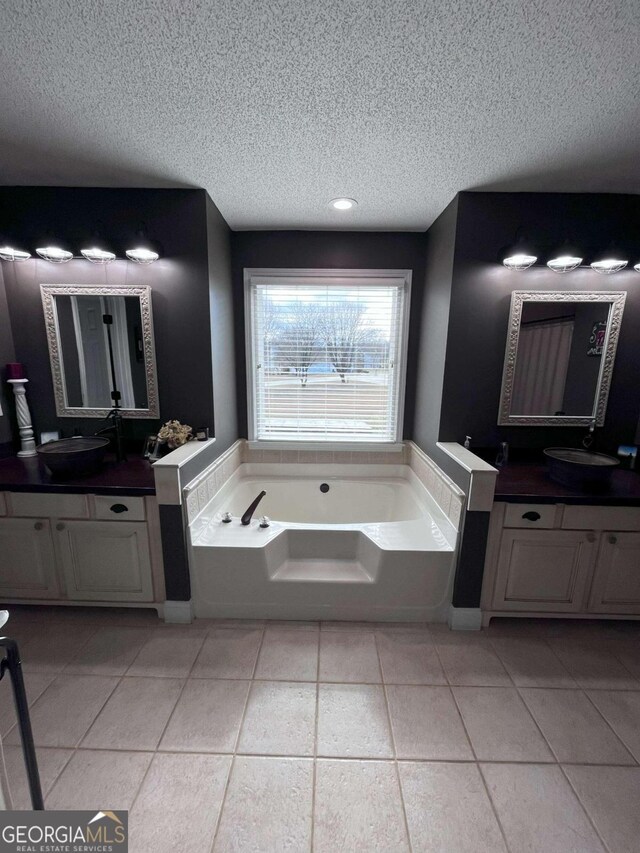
[{"x": 467, "y": 442}]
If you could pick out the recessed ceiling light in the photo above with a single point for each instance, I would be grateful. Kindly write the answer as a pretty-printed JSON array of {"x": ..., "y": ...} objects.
[{"x": 343, "y": 203}]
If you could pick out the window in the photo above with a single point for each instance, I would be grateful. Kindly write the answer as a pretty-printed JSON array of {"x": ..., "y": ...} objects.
[{"x": 326, "y": 354}]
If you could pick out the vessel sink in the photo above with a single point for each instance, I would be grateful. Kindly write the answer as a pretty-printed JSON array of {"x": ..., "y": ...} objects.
[
  {"x": 580, "y": 469},
  {"x": 73, "y": 457}
]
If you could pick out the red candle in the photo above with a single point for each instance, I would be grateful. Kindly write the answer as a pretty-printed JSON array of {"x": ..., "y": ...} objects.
[{"x": 15, "y": 370}]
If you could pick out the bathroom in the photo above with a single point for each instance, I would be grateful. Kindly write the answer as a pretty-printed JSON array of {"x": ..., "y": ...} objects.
[{"x": 417, "y": 640}]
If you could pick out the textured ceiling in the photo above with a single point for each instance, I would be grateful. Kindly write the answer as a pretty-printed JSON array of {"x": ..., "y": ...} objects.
[{"x": 275, "y": 107}]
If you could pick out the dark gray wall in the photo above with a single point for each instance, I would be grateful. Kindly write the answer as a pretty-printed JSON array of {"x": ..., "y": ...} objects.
[
  {"x": 480, "y": 298},
  {"x": 326, "y": 250},
  {"x": 179, "y": 281},
  {"x": 7, "y": 354}
]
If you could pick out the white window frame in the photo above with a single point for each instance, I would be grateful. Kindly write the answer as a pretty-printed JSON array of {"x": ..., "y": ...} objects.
[{"x": 265, "y": 275}]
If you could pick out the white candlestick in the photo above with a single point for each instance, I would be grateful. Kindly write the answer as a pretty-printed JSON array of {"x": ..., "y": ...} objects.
[{"x": 27, "y": 442}]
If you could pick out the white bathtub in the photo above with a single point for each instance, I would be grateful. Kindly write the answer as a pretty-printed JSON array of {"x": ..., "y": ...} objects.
[{"x": 375, "y": 546}]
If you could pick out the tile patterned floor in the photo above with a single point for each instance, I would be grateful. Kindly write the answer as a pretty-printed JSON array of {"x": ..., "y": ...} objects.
[{"x": 238, "y": 736}]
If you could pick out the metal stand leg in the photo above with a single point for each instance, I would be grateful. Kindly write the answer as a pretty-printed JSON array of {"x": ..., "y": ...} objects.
[{"x": 12, "y": 663}]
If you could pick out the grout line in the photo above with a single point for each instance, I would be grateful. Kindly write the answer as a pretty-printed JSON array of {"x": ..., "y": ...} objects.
[
  {"x": 585, "y": 810},
  {"x": 610, "y": 726},
  {"x": 393, "y": 747},
  {"x": 315, "y": 747}
]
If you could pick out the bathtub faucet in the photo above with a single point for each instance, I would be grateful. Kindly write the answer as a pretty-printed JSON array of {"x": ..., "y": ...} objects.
[{"x": 246, "y": 518}]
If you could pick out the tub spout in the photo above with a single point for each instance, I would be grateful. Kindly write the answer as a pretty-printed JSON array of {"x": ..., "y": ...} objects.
[{"x": 246, "y": 518}]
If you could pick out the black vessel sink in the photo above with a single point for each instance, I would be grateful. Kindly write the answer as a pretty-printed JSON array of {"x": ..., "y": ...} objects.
[
  {"x": 580, "y": 469},
  {"x": 73, "y": 457}
]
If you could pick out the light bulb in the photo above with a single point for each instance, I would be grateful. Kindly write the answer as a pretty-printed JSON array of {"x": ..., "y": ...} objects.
[
  {"x": 520, "y": 261},
  {"x": 54, "y": 254},
  {"x": 564, "y": 263},
  {"x": 608, "y": 265},
  {"x": 8, "y": 253},
  {"x": 343, "y": 203},
  {"x": 142, "y": 256},
  {"x": 97, "y": 256}
]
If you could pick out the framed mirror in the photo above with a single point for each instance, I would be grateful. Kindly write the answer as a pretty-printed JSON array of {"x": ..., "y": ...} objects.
[
  {"x": 559, "y": 357},
  {"x": 101, "y": 337}
]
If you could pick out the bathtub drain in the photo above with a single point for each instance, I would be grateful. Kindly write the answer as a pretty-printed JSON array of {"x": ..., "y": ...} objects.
[{"x": 324, "y": 488}]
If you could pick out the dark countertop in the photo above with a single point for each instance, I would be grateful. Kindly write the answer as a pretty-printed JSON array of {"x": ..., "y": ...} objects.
[
  {"x": 133, "y": 477},
  {"x": 530, "y": 483}
]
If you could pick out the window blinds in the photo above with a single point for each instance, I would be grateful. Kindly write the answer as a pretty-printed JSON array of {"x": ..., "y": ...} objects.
[{"x": 327, "y": 358}]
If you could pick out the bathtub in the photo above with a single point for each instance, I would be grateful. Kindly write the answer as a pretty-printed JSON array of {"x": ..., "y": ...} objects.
[{"x": 374, "y": 545}]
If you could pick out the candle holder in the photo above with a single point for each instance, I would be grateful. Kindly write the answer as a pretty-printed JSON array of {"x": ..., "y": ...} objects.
[{"x": 27, "y": 441}]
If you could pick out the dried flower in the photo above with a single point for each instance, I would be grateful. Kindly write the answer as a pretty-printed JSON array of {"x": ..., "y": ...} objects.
[{"x": 175, "y": 434}]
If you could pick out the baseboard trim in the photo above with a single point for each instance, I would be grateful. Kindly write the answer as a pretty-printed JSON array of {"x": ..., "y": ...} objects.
[
  {"x": 465, "y": 618},
  {"x": 179, "y": 612}
]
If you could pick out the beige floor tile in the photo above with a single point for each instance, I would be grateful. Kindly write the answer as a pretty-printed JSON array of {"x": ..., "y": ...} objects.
[
  {"x": 66, "y": 709},
  {"x": 207, "y": 717},
  {"x": 628, "y": 653},
  {"x": 621, "y": 709},
  {"x": 574, "y": 729},
  {"x": 135, "y": 715},
  {"x": 50, "y": 764},
  {"x": 345, "y": 625},
  {"x": 531, "y": 663},
  {"x": 611, "y": 797},
  {"x": 448, "y": 809},
  {"x": 302, "y": 625},
  {"x": 426, "y": 724},
  {"x": 470, "y": 660},
  {"x": 99, "y": 780},
  {"x": 353, "y": 721},
  {"x": 409, "y": 658},
  {"x": 228, "y": 653},
  {"x": 358, "y": 807},
  {"x": 35, "y": 683},
  {"x": 179, "y": 803},
  {"x": 349, "y": 657},
  {"x": 110, "y": 651},
  {"x": 280, "y": 719},
  {"x": 499, "y": 725},
  {"x": 268, "y": 805},
  {"x": 168, "y": 654},
  {"x": 289, "y": 654},
  {"x": 538, "y": 809},
  {"x": 51, "y": 647},
  {"x": 594, "y": 666}
]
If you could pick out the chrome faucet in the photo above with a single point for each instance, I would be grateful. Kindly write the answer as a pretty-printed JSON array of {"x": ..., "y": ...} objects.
[{"x": 246, "y": 518}]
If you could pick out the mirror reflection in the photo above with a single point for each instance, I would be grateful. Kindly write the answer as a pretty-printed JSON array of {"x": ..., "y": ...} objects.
[
  {"x": 559, "y": 356},
  {"x": 85, "y": 324}
]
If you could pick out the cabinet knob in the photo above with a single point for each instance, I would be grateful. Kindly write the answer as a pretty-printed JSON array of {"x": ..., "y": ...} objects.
[
  {"x": 119, "y": 508},
  {"x": 613, "y": 540},
  {"x": 591, "y": 537},
  {"x": 59, "y": 526},
  {"x": 38, "y": 525},
  {"x": 531, "y": 515}
]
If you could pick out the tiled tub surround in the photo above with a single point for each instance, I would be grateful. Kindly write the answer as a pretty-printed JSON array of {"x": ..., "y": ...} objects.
[
  {"x": 226, "y": 735},
  {"x": 379, "y": 544}
]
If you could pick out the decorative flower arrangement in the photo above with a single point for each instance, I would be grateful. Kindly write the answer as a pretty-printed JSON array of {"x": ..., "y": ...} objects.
[{"x": 174, "y": 434}]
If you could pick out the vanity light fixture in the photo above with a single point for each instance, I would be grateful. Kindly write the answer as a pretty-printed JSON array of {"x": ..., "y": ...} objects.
[
  {"x": 97, "y": 255},
  {"x": 8, "y": 253},
  {"x": 608, "y": 265},
  {"x": 565, "y": 259},
  {"x": 54, "y": 254},
  {"x": 343, "y": 203},
  {"x": 145, "y": 251},
  {"x": 637, "y": 267},
  {"x": 519, "y": 256}
]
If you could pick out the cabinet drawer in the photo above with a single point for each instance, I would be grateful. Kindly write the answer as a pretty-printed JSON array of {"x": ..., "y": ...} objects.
[
  {"x": 110, "y": 508},
  {"x": 3, "y": 504},
  {"x": 542, "y": 515},
  {"x": 33, "y": 505},
  {"x": 601, "y": 518}
]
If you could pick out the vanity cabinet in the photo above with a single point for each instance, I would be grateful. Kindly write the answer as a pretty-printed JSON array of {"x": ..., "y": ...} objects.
[
  {"x": 580, "y": 560},
  {"x": 27, "y": 560},
  {"x": 93, "y": 548}
]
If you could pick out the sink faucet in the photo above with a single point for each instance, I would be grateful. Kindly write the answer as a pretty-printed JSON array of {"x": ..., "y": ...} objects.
[
  {"x": 246, "y": 518},
  {"x": 116, "y": 433},
  {"x": 587, "y": 441}
]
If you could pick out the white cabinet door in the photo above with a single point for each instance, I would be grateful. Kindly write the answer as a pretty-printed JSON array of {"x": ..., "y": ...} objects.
[
  {"x": 104, "y": 560},
  {"x": 27, "y": 559},
  {"x": 616, "y": 583},
  {"x": 543, "y": 570}
]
